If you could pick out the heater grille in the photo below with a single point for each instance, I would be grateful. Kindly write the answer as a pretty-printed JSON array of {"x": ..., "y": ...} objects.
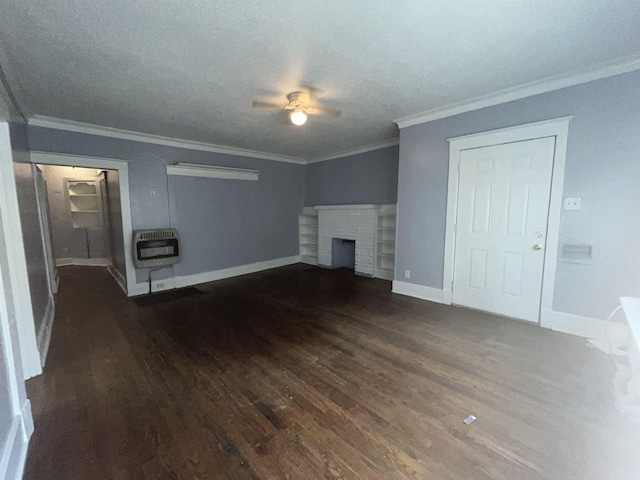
[
  {"x": 158, "y": 234},
  {"x": 156, "y": 248}
]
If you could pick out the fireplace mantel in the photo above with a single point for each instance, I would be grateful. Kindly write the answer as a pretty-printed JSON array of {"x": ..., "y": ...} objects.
[{"x": 348, "y": 207}]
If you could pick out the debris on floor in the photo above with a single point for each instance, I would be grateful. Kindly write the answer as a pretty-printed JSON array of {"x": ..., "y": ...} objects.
[{"x": 469, "y": 419}]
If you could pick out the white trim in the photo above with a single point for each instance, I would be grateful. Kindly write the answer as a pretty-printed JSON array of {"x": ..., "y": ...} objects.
[
  {"x": 17, "y": 440},
  {"x": 558, "y": 128},
  {"x": 631, "y": 306},
  {"x": 13, "y": 442},
  {"x": 110, "y": 132},
  {"x": 347, "y": 207},
  {"x": 62, "y": 159},
  {"x": 209, "y": 171},
  {"x": 17, "y": 263},
  {"x": 418, "y": 291},
  {"x": 356, "y": 151},
  {"x": 578, "y": 325},
  {"x": 125, "y": 199},
  {"x": 163, "y": 284},
  {"x": 517, "y": 133},
  {"x": 628, "y": 64},
  {"x": 205, "y": 277},
  {"x": 44, "y": 335},
  {"x": 84, "y": 262},
  {"x": 45, "y": 232},
  {"x": 117, "y": 276},
  {"x": 27, "y": 418}
]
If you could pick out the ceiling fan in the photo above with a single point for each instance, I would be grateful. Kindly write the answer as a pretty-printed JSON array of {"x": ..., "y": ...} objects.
[{"x": 299, "y": 106}]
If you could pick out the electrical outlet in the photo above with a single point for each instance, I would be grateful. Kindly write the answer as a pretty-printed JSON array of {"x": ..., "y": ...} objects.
[
  {"x": 572, "y": 203},
  {"x": 407, "y": 274}
]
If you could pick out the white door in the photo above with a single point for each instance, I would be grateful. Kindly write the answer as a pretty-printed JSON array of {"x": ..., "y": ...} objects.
[{"x": 501, "y": 225}]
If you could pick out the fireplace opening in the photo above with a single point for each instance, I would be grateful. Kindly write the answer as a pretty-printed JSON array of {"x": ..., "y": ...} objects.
[{"x": 343, "y": 253}]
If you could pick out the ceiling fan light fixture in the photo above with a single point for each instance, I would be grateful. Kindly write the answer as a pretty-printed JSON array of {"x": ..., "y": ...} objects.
[{"x": 298, "y": 117}]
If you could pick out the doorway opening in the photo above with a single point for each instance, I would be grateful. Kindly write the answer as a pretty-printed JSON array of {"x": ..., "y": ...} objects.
[
  {"x": 108, "y": 187},
  {"x": 467, "y": 270},
  {"x": 81, "y": 215}
]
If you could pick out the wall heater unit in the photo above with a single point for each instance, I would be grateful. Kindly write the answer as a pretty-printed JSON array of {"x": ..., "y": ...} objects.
[{"x": 156, "y": 248}]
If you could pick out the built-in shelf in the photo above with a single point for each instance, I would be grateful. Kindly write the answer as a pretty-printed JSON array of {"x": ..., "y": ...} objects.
[
  {"x": 385, "y": 242},
  {"x": 84, "y": 203},
  {"x": 308, "y": 236}
]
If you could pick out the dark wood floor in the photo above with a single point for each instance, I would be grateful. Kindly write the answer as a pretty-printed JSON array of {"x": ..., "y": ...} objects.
[{"x": 304, "y": 373}]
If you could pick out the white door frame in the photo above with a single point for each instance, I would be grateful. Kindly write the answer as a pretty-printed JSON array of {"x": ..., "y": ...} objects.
[
  {"x": 16, "y": 261},
  {"x": 122, "y": 166},
  {"x": 558, "y": 128},
  {"x": 41, "y": 195}
]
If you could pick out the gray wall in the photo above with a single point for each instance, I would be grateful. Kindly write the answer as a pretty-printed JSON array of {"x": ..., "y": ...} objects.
[
  {"x": 603, "y": 168},
  {"x": 30, "y": 222},
  {"x": 227, "y": 223},
  {"x": 114, "y": 210},
  {"x": 69, "y": 242},
  {"x": 370, "y": 177}
]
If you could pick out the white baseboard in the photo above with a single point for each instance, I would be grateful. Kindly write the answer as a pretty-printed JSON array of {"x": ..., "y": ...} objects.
[
  {"x": 118, "y": 277},
  {"x": 162, "y": 285},
  {"x": 27, "y": 418},
  {"x": 14, "y": 452},
  {"x": 44, "y": 335},
  {"x": 85, "y": 262},
  {"x": 586, "y": 327},
  {"x": 418, "y": 291},
  {"x": 181, "y": 281}
]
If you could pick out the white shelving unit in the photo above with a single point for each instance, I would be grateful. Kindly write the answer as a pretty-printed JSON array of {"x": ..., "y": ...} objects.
[
  {"x": 84, "y": 204},
  {"x": 385, "y": 242},
  {"x": 308, "y": 235}
]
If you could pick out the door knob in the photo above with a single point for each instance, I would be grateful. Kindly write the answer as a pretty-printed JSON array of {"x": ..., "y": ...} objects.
[
  {"x": 537, "y": 246},
  {"x": 538, "y": 234}
]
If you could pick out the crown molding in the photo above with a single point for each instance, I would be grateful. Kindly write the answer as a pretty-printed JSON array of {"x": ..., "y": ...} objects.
[
  {"x": 625, "y": 65},
  {"x": 355, "y": 151},
  {"x": 110, "y": 132}
]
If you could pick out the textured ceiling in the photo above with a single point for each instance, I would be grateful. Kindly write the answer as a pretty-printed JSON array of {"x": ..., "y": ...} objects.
[{"x": 191, "y": 68}]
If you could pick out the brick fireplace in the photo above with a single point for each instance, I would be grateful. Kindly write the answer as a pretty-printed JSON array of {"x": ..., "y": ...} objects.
[{"x": 348, "y": 222}]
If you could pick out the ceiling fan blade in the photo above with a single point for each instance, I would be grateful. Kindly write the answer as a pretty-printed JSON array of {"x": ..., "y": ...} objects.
[
  {"x": 312, "y": 91},
  {"x": 261, "y": 104},
  {"x": 324, "y": 111}
]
